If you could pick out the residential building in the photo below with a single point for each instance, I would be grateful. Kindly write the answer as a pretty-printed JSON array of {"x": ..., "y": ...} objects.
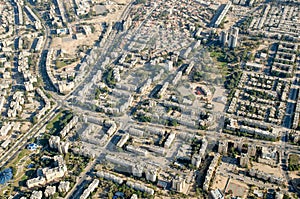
[
  {"x": 64, "y": 186},
  {"x": 223, "y": 146},
  {"x": 36, "y": 195},
  {"x": 244, "y": 160},
  {"x": 178, "y": 184},
  {"x": 216, "y": 194}
]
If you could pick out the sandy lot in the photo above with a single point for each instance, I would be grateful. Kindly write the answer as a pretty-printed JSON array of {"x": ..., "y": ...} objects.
[
  {"x": 69, "y": 45},
  {"x": 219, "y": 182},
  {"x": 267, "y": 169},
  {"x": 293, "y": 174},
  {"x": 222, "y": 1},
  {"x": 238, "y": 188},
  {"x": 25, "y": 127}
]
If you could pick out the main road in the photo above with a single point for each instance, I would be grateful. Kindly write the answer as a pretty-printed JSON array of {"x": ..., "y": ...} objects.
[
  {"x": 77, "y": 189},
  {"x": 103, "y": 53},
  {"x": 21, "y": 143}
]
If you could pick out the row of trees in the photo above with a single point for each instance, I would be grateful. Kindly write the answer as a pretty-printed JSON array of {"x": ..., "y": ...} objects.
[
  {"x": 59, "y": 122},
  {"x": 232, "y": 81}
]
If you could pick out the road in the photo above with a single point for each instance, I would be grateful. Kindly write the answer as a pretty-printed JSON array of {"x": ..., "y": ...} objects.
[
  {"x": 104, "y": 51},
  {"x": 77, "y": 189},
  {"x": 35, "y": 130},
  {"x": 22, "y": 142}
]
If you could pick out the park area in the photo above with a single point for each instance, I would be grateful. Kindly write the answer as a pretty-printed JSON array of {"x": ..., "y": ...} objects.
[{"x": 294, "y": 162}]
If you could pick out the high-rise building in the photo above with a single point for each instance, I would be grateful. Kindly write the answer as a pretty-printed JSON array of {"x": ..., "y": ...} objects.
[
  {"x": 178, "y": 184},
  {"x": 233, "y": 41},
  {"x": 234, "y": 31},
  {"x": 224, "y": 37},
  {"x": 63, "y": 147},
  {"x": 196, "y": 160},
  {"x": 251, "y": 150},
  {"x": 151, "y": 174},
  {"x": 169, "y": 65},
  {"x": 233, "y": 37},
  {"x": 54, "y": 142},
  {"x": 222, "y": 148},
  {"x": 244, "y": 160},
  {"x": 137, "y": 170}
]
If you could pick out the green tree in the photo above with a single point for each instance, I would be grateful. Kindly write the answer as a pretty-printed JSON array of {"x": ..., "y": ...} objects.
[{"x": 34, "y": 119}]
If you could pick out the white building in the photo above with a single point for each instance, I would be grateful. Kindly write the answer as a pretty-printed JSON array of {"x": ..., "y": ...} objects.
[
  {"x": 36, "y": 195},
  {"x": 178, "y": 184},
  {"x": 90, "y": 189}
]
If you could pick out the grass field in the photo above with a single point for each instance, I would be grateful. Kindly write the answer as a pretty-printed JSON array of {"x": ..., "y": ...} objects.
[{"x": 294, "y": 161}]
